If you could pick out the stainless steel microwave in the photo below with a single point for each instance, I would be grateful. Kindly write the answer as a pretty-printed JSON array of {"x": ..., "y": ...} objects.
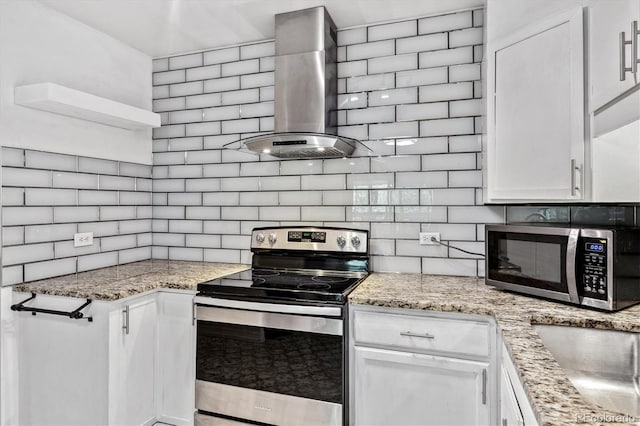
[{"x": 593, "y": 267}]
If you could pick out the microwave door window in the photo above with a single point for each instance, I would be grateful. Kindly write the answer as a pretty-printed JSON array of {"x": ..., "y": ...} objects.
[{"x": 531, "y": 263}]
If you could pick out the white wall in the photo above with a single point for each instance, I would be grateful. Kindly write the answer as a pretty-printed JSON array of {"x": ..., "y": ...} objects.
[{"x": 38, "y": 44}]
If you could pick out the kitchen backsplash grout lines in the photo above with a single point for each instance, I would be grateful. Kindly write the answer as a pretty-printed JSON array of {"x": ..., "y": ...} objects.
[{"x": 410, "y": 90}]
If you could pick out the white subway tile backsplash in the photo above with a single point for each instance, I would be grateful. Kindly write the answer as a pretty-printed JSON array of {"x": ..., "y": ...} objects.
[
  {"x": 203, "y": 73},
  {"x": 75, "y": 214},
  {"x": 453, "y": 21},
  {"x": 143, "y": 212},
  {"x": 46, "y": 233},
  {"x": 117, "y": 183},
  {"x": 409, "y": 265},
  {"x": 469, "y": 143},
  {"x": 186, "y": 116},
  {"x": 200, "y": 101},
  {"x": 12, "y": 275},
  {"x": 95, "y": 165},
  {"x": 241, "y": 126},
  {"x": 32, "y": 253},
  {"x": 465, "y": 178},
  {"x": 393, "y": 96},
  {"x": 450, "y": 126},
  {"x": 280, "y": 183},
  {"x": 394, "y": 197},
  {"x": 187, "y": 171},
  {"x": 381, "y": 114},
  {"x": 447, "y": 197},
  {"x": 421, "y": 214},
  {"x": 168, "y": 77},
  {"x": 395, "y": 164},
  {"x": 353, "y": 68},
  {"x": 240, "y": 184},
  {"x": 370, "y": 82},
  {"x": 257, "y": 80},
  {"x": 444, "y": 266},
  {"x": 159, "y": 92},
  {"x": 222, "y": 255},
  {"x": 257, "y": 50},
  {"x": 476, "y": 214},
  {"x": 219, "y": 199},
  {"x": 421, "y": 43},
  {"x": 352, "y": 36},
  {"x": 320, "y": 182},
  {"x": 279, "y": 213},
  {"x": 359, "y": 132},
  {"x": 236, "y": 241},
  {"x": 413, "y": 248},
  {"x": 184, "y": 199},
  {"x": 446, "y": 92},
  {"x": 174, "y": 131},
  {"x": 200, "y": 240},
  {"x": 393, "y": 130},
  {"x": 13, "y": 235},
  {"x": 421, "y": 77},
  {"x": 249, "y": 66},
  {"x": 352, "y": 100},
  {"x": 13, "y": 196},
  {"x": 439, "y": 58},
  {"x": 97, "y": 198},
  {"x": 245, "y": 96},
  {"x": 300, "y": 167},
  {"x": 239, "y": 213},
  {"x": 136, "y": 170},
  {"x": 395, "y": 230},
  {"x": 470, "y": 246},
  {"x": 370, "y": 181},
  {"x": 344, "y": 198},
  {"x": 168, "y": 185},
  {"x": 201, "y": 185},
  {"x": 421, "y": 180},
  {"x": 346, "y": 165},
  {"x": 12, "y": 157},
  {"x": 412, "y": 112},
  {"x": 222, "y": 55},
  {"x": 323, "y": 214},
  {"x": 95, "y": 261},
  {"x": 26, "y": 177},
  {"x": 185, "y": 61},
  {"x": 169, "y": 104},
  {"x": 185, "y": 89},
  {"x": 51, "y": 268},
  {"x": 393, "y": 30},
  {"x": 421, "y": 145},
  {"x": 448, "y": 162},
  {"x": 99, "y": 229},
  {"x": 185, "y": 226},
  {"x": 408, "y": 61},
  {"x": 222, "y": 227},
  {"x": 466, "y": 37},
  {"x": 448, "y": 231},
  {"x": 67, "y": 249},
  {"x": 468, "y": 72},
  {"x": 259, "y": 169},
  {"x": 134, "y": 226},
  {"x": 222, "y": 84},
  {"x": 258, "y": 198},
  {"x": 369, "y": 214},
  {"x": 202, "y": 157},
  {"x": 465, "y": 108},
  {"x": 370, "y": 50},
  {"x": 300, "y": 198},
  {"x": 203, "y": 129},
  {"x": 161, "y": 64},
  {"x": 134, "y": 255},
  {"x": 118, "y": 213},
  {"x": 202, "y": 213}
]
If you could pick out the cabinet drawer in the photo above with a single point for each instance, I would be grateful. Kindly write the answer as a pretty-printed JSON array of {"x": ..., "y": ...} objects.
[{"x": 414, "y": 332}]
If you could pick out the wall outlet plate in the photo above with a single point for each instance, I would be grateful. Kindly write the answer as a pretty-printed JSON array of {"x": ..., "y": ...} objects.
[
  {"x": 426, "y": 238},
  {"x": 83, "y": 239}
]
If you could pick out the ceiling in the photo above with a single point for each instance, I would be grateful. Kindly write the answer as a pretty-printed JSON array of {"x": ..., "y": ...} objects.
[{"x": 166, "y": 27}]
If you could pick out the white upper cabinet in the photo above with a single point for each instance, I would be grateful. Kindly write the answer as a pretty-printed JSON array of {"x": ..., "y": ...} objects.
[
  {"x": 535, "y": 112},
  {"x": 612, "y": 53}
]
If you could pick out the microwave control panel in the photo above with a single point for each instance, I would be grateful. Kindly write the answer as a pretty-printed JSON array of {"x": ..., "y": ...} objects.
[{"x": 593, "y": 267}]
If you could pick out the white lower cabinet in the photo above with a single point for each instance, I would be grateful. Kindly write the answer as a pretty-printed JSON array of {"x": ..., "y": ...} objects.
[
  {"x": 515, "y": 409},
  {"x": 132, "y": 365},
  {"x": 409, "y": 367}
]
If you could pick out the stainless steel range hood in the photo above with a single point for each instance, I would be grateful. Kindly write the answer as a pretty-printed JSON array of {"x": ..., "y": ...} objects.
[{"x": 305, "y": 121}]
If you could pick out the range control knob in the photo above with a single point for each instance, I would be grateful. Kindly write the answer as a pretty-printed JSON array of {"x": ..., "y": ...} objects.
[
  {"x": 342, "y": 241},
  {"x": 273, "y": 238},
  {"x": 260, "y": 238},
  {"x": 355, "y": 241}
]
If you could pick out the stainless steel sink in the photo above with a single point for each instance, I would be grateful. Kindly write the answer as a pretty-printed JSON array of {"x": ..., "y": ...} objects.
[{"x": 601, "y": 364}]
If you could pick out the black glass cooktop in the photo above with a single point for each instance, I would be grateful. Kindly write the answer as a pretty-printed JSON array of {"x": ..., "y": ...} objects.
[{"x": 271, "y": 284}]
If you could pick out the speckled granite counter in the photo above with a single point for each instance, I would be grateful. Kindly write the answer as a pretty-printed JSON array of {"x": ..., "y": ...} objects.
[
  {"x": 118, "y": 282},
  {"x": 553, "y": 397}
]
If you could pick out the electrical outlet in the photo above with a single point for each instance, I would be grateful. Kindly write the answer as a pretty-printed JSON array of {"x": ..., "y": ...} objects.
[
  {"x": 426, "y": 238},
  {"x": 83, "y": 239}
]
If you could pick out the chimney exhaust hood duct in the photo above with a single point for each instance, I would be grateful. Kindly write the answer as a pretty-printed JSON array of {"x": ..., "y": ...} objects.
[{"x": 305, "y": 121}]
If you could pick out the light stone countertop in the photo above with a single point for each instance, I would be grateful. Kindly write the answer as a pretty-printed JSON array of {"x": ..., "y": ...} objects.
[
  {"x": 552, "y": 396},
  {"x": 118, "y": 282}
]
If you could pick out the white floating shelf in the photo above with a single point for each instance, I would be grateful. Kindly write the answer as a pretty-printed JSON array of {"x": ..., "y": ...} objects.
[{"x": 74, "y": 103}]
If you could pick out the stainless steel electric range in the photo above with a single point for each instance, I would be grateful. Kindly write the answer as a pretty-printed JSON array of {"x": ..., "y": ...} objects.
[{"x": 271, "y": 341}]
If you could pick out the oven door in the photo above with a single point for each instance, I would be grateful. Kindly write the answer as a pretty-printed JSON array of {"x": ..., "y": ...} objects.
[{"x": 269, "y": 367}]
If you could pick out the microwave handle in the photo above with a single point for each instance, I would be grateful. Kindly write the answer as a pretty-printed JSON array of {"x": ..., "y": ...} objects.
[{"x": 572, "y": 252}]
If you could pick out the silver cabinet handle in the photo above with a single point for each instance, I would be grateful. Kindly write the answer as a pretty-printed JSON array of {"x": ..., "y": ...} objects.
[
  {"x": 623, "y": 56},
  {"x": 423, "y": 335},
  {"x": 634, "y": 47},
  {"x": 484, "y": 386},
  {"x": 125, "y": 322},
  {"x": 575, "y": 183}
]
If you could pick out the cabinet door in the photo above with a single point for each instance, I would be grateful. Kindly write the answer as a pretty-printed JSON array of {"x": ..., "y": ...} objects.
[
  {"x": 510, "y": 414},
  {"x": 607, "y": 19},
  {"x": 133, "y": 363},
  {"x": 402, "y": 388},
  {"x": 535, "y": 147},
  {"x": 176, "y": 358}
]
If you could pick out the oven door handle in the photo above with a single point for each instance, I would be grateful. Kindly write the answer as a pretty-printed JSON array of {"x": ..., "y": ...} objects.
[
  {"x": 325, "y": 311},
  {"x": 304, "y": 323}
]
